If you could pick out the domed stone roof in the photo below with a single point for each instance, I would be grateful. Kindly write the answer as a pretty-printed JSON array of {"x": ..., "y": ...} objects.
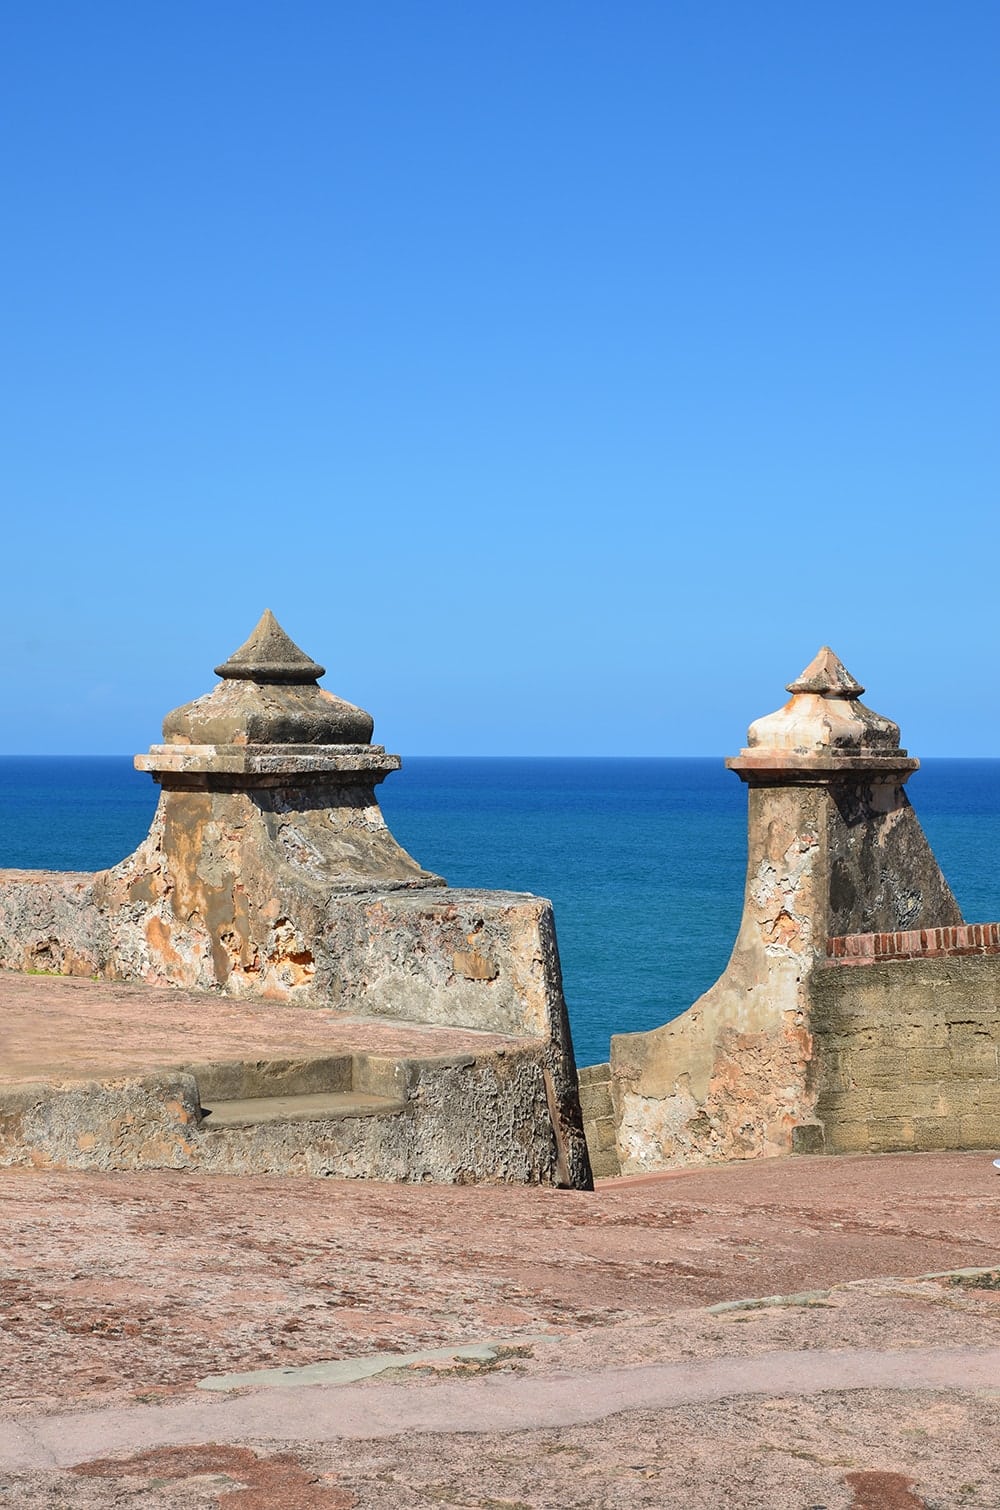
[
  {"x": 824, "y": 726},
  {"x": 268, "y": 696},
  {"x": 825, "y": 712}
]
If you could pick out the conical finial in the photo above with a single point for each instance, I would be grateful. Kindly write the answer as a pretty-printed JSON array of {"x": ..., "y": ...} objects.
[
  {"x": 823, "y": 721},
  {"x": 269, "y": 655},
  {"x": 827, "y": 676}
]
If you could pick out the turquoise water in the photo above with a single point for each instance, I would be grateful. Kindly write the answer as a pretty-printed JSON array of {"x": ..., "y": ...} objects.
[{"x": 643, "y": 858}]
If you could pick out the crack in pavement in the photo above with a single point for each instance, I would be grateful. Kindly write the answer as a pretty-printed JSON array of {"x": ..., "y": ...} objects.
[{"x": 491, "y": 1403}]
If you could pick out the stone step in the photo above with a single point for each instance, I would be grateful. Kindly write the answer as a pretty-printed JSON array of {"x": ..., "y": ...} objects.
[
  {"x": 253, "y": 1079},
  {"x": 321, "y": 1106}
]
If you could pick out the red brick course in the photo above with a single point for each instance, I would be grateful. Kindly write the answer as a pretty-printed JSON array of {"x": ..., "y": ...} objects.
[{"x": 913, "y": 943}]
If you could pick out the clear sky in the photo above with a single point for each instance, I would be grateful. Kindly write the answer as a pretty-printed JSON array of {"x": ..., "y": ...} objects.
[{"x": 562, "y": 375}]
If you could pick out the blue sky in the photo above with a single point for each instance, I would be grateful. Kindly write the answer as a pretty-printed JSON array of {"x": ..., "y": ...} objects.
[{"x": 561, "y": 375}]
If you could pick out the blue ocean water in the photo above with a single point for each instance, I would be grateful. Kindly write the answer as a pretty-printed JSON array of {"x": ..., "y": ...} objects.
[{"x": 643, "y": 858}]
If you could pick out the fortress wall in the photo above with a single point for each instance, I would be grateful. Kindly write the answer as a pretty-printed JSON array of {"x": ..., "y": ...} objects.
[
  {"x": 907, "y": 1049},
  {"x": 599, "y": 1125},
  {"x": 788, "y": 1040},
  {"x": 460, "y": 1118},
  {"x": 48, "y": 923},
  {"x": 269, "y": 874}
]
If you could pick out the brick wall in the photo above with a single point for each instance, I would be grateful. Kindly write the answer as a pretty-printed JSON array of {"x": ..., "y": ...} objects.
[{"x": 914, "y": 943}]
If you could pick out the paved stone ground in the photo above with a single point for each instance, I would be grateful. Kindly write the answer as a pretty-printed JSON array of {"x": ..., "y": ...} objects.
[
  {"x": 54, "y": 1027},
  {"x": 612, "y": 1381}
]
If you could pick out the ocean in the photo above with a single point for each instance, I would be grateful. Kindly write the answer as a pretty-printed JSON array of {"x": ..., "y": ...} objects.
[{"x": 643, "y": 858}]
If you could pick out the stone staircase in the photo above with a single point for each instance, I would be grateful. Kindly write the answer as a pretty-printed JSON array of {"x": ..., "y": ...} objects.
[
  {"x": 113, "y": 1075},
  {"x": 254, "y": 1093}
]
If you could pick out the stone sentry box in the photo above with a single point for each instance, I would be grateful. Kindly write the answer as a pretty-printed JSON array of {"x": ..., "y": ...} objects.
[
  {"x": 269, "y": 873},
  {"x": 791, "y": 1049}
]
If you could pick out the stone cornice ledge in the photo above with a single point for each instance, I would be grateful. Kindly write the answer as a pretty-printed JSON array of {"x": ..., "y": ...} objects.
[
  {"x": 266, "y": 760},
  {"x": 791, "y": 768}
]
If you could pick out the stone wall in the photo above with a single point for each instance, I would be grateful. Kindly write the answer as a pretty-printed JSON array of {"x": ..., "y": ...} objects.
[
  {"x": 906, "y": 1038},
  {"x": 735, "y": 1075},
  {"x": 459, "y": 1119},
  {"x": 269, "y": 873},
  {"x": 599, "y": 1125},
  {"x": 834, "y": 847},
  {"x": 478, "y": 959}
]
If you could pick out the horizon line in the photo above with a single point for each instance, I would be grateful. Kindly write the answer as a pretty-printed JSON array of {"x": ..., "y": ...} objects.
[{"x": 461, "y": 755}]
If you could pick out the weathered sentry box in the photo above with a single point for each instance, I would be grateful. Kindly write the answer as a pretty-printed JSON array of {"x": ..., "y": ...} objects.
[
  {"x": 788, "y": 1051},
  {"x": 269, "y": 874}
]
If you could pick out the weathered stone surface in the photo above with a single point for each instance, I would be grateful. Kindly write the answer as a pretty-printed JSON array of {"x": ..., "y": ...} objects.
[
  {"x": 268, "y": 695},
  {"x": 825, "y": 717},
  {"x": 678, "y": 1341},
  {"x": 834, "y": 847},
  {"x": 245, "y": 713},
  {"x": 467, "y": 1119},
  {"x": 270, "y": 655},
  {"x": 90, "y": 1060},
  {"x": 599, "y": 1123},
  {"x": 269, "y": 872},
  {"x": 908, "y": 1054},
  {"x": 216, "y": 767}
]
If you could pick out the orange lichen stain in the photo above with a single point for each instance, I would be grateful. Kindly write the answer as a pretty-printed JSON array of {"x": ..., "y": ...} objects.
[
  {"x": 288, "y": 959},
  {"x": 161, "y": 1153},
  {"x": 85, "y": 1142},
  {"x": 287, "y": 969},
  {"x": 146, "y": 888},
  {"x": 473, "y": 965},
  {"x": 160, "y": 942},
  {"x": 78, "y": 964},
  {"x": 301, "y": 967},
  {"x": 781, "y": 930},
  {"x": 179, "y": 1110}
]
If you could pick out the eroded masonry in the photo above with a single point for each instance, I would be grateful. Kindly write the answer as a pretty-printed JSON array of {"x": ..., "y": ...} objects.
[
  {"x": 857, "y": 1011},
  {"x": 271, "y": 984}
]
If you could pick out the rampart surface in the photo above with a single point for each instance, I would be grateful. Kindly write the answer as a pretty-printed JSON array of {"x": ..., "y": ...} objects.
[{"x": 269, "y": 876}]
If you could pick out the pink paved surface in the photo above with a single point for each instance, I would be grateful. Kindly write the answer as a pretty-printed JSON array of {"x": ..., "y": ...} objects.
[
  {"x": 121, "y": 1291},
  {"x": 54, "y": 1026}
]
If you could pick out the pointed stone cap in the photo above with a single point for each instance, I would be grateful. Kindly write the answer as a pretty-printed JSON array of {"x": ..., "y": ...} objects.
[
  {"x": 826, "y": 675},
  {"x": 823, "y": 728},
  {"x": 268, "y": 708},
  {"x": 270, "y": 655}
]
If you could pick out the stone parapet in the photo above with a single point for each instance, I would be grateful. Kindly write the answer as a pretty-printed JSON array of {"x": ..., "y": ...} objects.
[
  {"x": 269, "y": 874},
  {"x": 834, "y": 848},
  {"x": 907, "y": 1052},
  {"x": 463, "y": 1119}
]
